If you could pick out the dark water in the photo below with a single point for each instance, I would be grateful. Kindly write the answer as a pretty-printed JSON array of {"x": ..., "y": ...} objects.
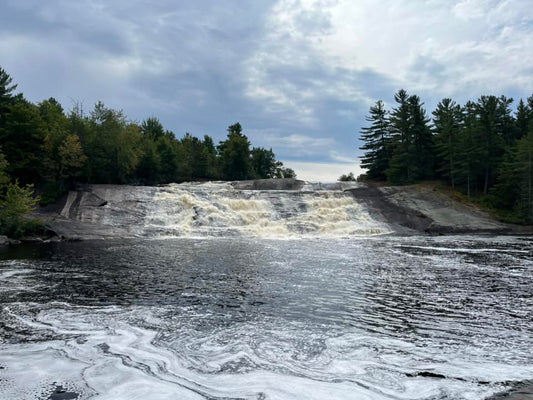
[{"x": 237, "y": 318}]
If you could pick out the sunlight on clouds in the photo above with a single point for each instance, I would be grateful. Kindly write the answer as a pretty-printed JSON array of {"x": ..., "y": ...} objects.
[
  {"x": 306, "y": 71},
  {"x": 471, "y": 9},
  {"x": 430, "y": 45}
]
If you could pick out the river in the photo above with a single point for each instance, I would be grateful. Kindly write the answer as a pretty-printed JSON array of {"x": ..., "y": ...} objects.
[{"x": 247, "y": 317}]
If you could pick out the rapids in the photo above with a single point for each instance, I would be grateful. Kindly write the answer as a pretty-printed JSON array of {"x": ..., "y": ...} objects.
[{"x": 220, "y": 209}]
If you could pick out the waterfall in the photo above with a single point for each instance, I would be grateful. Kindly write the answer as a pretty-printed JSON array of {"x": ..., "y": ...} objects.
[
  {"x": 218, "y": 209},
  {"x": 215, "y": 209}
]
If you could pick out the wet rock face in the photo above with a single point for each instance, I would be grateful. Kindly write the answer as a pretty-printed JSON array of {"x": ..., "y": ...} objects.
[
  {"x": 260, "y": 208},
  {"x": 267, "y": 207},
  {"x": 424, "y": 210},
  {"x": 269, "y": 184},
  {"x": 521, "y": 391},
  {"x": 62, "y": 394}
]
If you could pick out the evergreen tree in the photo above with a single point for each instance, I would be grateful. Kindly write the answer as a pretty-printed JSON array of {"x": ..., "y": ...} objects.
[
  {"x": 152, "y": 128},
  {"x": 422, "y": 149},
  {"x": 113, "y": 145},
  {"x": 470, "y": 152},
  {"x": 22, "y": 135},
  {"x": 401, "y": 165},
  {"x": 377, "y": 144},
  {"x": 212, "y": 160},
  {"x": 263, "y": 163},
  {"x": 347, "y": 178},
  {"x": 284, "y": 172},
  {"x": 493, "y": 117},
  {"x": 7, "y": 87},
  {"x": 55, "y": 178},
  {"x": 168, "y": 165},
  {"x": 524, "y": 161},
  {"x": 524, "y": 117},
  {"x": 235, "y": 155},
  {"x": 15, "y": 203},
  {"x": 447, "y": 128},
  {"x": 148, "y": 169},
  {"x": 514, "y": 191}
]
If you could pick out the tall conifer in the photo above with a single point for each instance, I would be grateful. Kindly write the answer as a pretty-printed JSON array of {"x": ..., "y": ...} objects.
[{"x": 377, "y": 142}]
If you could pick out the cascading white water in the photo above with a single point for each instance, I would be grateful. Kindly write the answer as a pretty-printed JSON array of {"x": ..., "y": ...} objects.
[{"x": 218, "y": 209}]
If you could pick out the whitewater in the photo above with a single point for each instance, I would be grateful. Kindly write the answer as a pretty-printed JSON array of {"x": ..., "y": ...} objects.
[{"x": 227, "y": 293}]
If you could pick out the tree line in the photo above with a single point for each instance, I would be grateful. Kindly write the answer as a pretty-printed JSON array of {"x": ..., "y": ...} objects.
[
  {"x": 482, "y": 148},
  {"x": 46, "y": 149},
  {"x": 51, "y": 148}
]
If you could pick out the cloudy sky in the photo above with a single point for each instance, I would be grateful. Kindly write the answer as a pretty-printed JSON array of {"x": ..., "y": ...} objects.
[{"x": 299, "y": 75}]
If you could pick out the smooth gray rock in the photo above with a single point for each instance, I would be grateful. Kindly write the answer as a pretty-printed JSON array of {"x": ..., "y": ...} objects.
[
  {"x": 121, "y": 211},
  {"x": 4, "y": 240},
  {"x": 521, "y": 391},
  {"x": 269, "y": 184},
  {"x": 31, "y": 239},
  {"x": 425, "y": 210}
]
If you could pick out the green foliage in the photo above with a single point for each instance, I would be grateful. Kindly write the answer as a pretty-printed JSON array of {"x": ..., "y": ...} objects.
[
  {"x": 447, "y": 120},
  {"x": 235, "y": 155},
  {"x": 480, "y": 149},
  {"x": 44, "y": 146},
  {"x": 6, "y": 85},
  {"x": 21, "y": 135},
  {"x": 284, "y": 172},
  {"x": 152, "y": 128},
  {"x": 15, "y": 203},
  {"x": 514, "y": 191},
  {"x": 6, "y": 93},
  {"x": 347, "y": 178},
  {"x": 263, "y": 163},
  {"x": 378, "y": 146},
  {"x": 4, "y": 179},
  {"x": 492, "y": 117},
  {"x": 412, "y": 142}
]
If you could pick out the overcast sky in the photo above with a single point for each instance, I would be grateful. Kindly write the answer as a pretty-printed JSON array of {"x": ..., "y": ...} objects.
[{"x": 299, "y": 76}]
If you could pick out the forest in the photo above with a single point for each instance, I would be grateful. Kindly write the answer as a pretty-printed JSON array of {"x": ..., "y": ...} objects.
[
  {"x": 45, "y": 150},
  {"x": 482, "y": 149}
]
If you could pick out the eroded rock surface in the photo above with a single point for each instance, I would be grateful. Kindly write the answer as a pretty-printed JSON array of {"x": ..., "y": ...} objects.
[
  {"x": 521, "y": 391},
  {"x": 425, "y": 210},
  {"x": 103, "y": 211}
]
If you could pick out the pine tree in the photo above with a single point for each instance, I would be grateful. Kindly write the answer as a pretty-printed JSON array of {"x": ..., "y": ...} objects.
[
  {"x": 377, "y": 143},
  {"x": 235, "y": 155},
  {"x": 524, "y": 161},
  {"x": 400, "y": 169},
  {"x": 447, "y": 128},
  {"x": 524, "y": 116},
  {"x": 422, "y": 148},
  {"x": 470, "y": 152},
  {"x": 6, "y": 91},
  {"x": 493, "y": 114},
  {"x": 152, "y": 128}
]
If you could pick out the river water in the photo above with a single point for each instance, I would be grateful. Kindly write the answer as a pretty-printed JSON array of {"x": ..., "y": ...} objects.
[{"x": 370, "y": 317}]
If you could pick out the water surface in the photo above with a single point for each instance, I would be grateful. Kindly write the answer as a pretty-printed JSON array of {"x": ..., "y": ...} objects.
[{"x": 244, "y": 318}]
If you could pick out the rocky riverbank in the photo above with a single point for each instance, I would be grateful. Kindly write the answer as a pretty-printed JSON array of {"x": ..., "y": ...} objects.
[
  {"x": 110, "y": 211},
  {"x": 416, "y": 209}
]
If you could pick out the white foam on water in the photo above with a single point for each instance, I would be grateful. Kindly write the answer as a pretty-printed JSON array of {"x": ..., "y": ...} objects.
[
  {"x": 199, "y": 351},
  {"x": 217, "y": 209},
  {"x": 107, "y": 357}
]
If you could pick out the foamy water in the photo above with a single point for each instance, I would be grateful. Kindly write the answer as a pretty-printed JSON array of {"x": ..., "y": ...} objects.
[
  {"x": 370, "y": 318},
  {"x": 216, "y": 209}
]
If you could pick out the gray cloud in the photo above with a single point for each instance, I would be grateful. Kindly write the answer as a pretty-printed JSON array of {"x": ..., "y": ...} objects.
[{"x": 299, "y": 75}]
